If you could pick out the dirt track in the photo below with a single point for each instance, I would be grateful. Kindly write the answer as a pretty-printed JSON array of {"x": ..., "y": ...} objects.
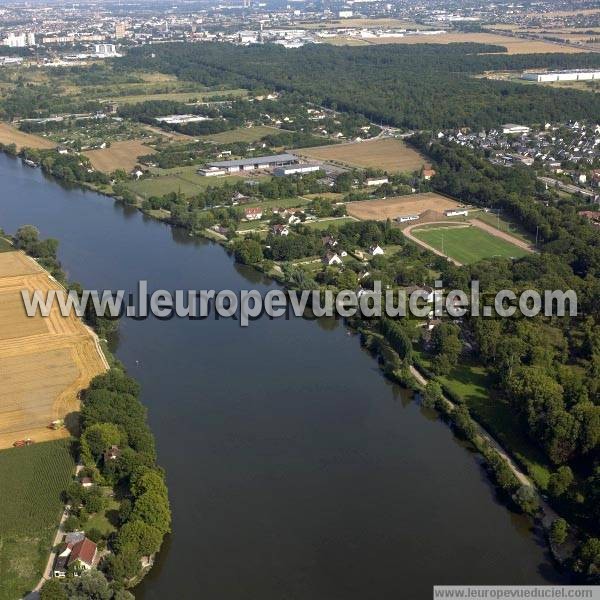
[{"x": 410, "y": 236}]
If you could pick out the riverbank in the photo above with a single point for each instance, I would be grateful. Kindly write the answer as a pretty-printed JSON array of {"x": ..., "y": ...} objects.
[
  {"x": 118, "y": 460},
  {"x": 399, "y": 375}
]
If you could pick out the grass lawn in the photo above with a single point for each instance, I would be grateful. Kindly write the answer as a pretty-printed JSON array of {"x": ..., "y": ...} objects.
[
  {"x": 505, "y": 223},
  {"x": 32, "y": 479},
  {"x": 242, "y": 134},
  {"x": 472, "y": 384},
  {"x": 187, "y": 182},
  {"x": 326, "y": 223},
  {"x": 468, "y": 244},
  {"x": 104, "y": 521}
]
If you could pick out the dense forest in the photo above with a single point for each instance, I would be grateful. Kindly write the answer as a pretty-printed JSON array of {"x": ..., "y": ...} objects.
[
  {"x": 425, "y": 86},
  {"x": 547, "y": 368}
]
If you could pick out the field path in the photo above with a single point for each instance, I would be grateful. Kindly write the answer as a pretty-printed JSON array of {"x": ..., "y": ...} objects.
[
  {"x": 547, "y": 513},
  {"x": 502, "y": 234},
  {"x": 410, "y": 236}
]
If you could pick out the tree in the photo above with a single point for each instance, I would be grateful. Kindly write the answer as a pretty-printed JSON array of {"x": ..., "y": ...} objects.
[
  {"x": 248, "y": 251},
  {"x": 123, "y": 566},
  {"x": 26, "y": 237},
  {"x": 560, "y": 481},
  {"x": 53, "y": 590},
  {"x": 559, "y": 531},
  {"x": 463, "y": 422},
  {"x": 97, "y": 438},
  {"x": 136, "y": 535},
  {"x": 153, "y": 509},
  {"x": 527, "y": 499},
  {"x": 91, "y": 585},
  {"x": 432, "y": 394},
  {"x": 588, "y": 557}
]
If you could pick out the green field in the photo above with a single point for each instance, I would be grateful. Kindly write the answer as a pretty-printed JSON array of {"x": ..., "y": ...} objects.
[
  {"x": 177, "y": 96},
  {"x": 505, "y": 223},
  {"x": 5, "y": 246},
  {"x": 242, "y": 134},
  {"x": 473, "y": 385},
  {"x": 467, "y": 244},
  {"x": 184, "y": 180},
  {"x": 31, "y": 482},
  {"x": 326, "y": 223}
]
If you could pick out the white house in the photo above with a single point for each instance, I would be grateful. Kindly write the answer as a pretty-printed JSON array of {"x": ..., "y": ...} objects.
[
  {"x": 377, "y": 181},
  {"x": 456, "y": 213},
  {"x": 331, "y": 258},
  {"x": 376, "y": 250},
  {"x": 253, "y": 213}
]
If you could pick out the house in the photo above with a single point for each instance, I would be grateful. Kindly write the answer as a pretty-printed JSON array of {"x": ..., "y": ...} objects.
[
  {"x": 239, "y": 198},
  {"x": 512, "y": 128},
  {"x": 280, "y": 230},
  {"x": 376, "y": 251},
  {"x": 377, "y": 181},
  {"x": 77, "y": 556},
  {"x": 112, "y": 453},
  {"x": 331, "y": 258},
  {"x": 428, "y": 174},
  {"x": 329, "y": 240},
  {"x": 456, "y": 213},
  {"x": 405, "y": 218},
  {"x": 253, "y": 213},
  {"x": 86, "y": 482}
]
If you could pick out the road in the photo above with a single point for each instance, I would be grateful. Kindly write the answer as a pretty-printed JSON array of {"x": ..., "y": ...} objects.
[{"x": 566, "y": 187}]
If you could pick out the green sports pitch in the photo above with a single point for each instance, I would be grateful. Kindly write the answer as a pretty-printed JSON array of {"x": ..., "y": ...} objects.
[{"x": 467, "y": 245}]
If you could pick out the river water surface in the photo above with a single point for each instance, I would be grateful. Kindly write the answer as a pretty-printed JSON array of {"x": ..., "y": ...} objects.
[{"x": 295, "y": 470}]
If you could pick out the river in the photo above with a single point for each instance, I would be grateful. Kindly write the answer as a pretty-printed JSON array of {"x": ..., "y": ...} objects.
[{"x": 295, "y": 470}]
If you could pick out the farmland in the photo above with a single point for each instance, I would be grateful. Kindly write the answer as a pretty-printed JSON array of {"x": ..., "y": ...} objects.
[
  {"x": 11, "y": 135},
  {"x": 181, "y": 179},
  {"x": 176, "y": 96},
  {"x": 387, "y": 154},
  {"x": 44, "y": 362},
  {"x": 120, "y": 155},
  {"x": 390, "y": 208},
  {"x": 466, "y": 244},
  {"x": 513, "y": 45},
  {"x": 30, "y": 505}
]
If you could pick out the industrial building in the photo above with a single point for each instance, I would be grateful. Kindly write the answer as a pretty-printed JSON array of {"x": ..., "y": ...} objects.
[
  {"x": 296, "y": 169},
  {"x": 251, "y": 164},
  {"x": 512, "y": 128},
  {"x": 575, "y": 75}
]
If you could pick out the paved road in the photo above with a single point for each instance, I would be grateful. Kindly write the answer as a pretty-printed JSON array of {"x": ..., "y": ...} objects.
[{"x": 566, "y": 187}]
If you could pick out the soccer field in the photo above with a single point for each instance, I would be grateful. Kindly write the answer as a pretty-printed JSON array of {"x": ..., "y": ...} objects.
[{"x": 467, "y": 244}]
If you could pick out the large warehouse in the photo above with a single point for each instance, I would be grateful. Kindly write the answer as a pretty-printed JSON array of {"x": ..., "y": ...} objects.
[
  {"x": 251, "y": 164},
  {"x": 575, "y": 75}
]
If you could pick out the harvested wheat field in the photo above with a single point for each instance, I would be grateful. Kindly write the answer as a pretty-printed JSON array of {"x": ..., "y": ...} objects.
[
  {"x": 389, "y": 154},
  {"x": 513, "y": 45},
  {"x": 11, "y": 135},
  {"x": 390, "y": 208},
  {"x": 45, "y": 362},
  {"x": 120, "y": 155}
]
